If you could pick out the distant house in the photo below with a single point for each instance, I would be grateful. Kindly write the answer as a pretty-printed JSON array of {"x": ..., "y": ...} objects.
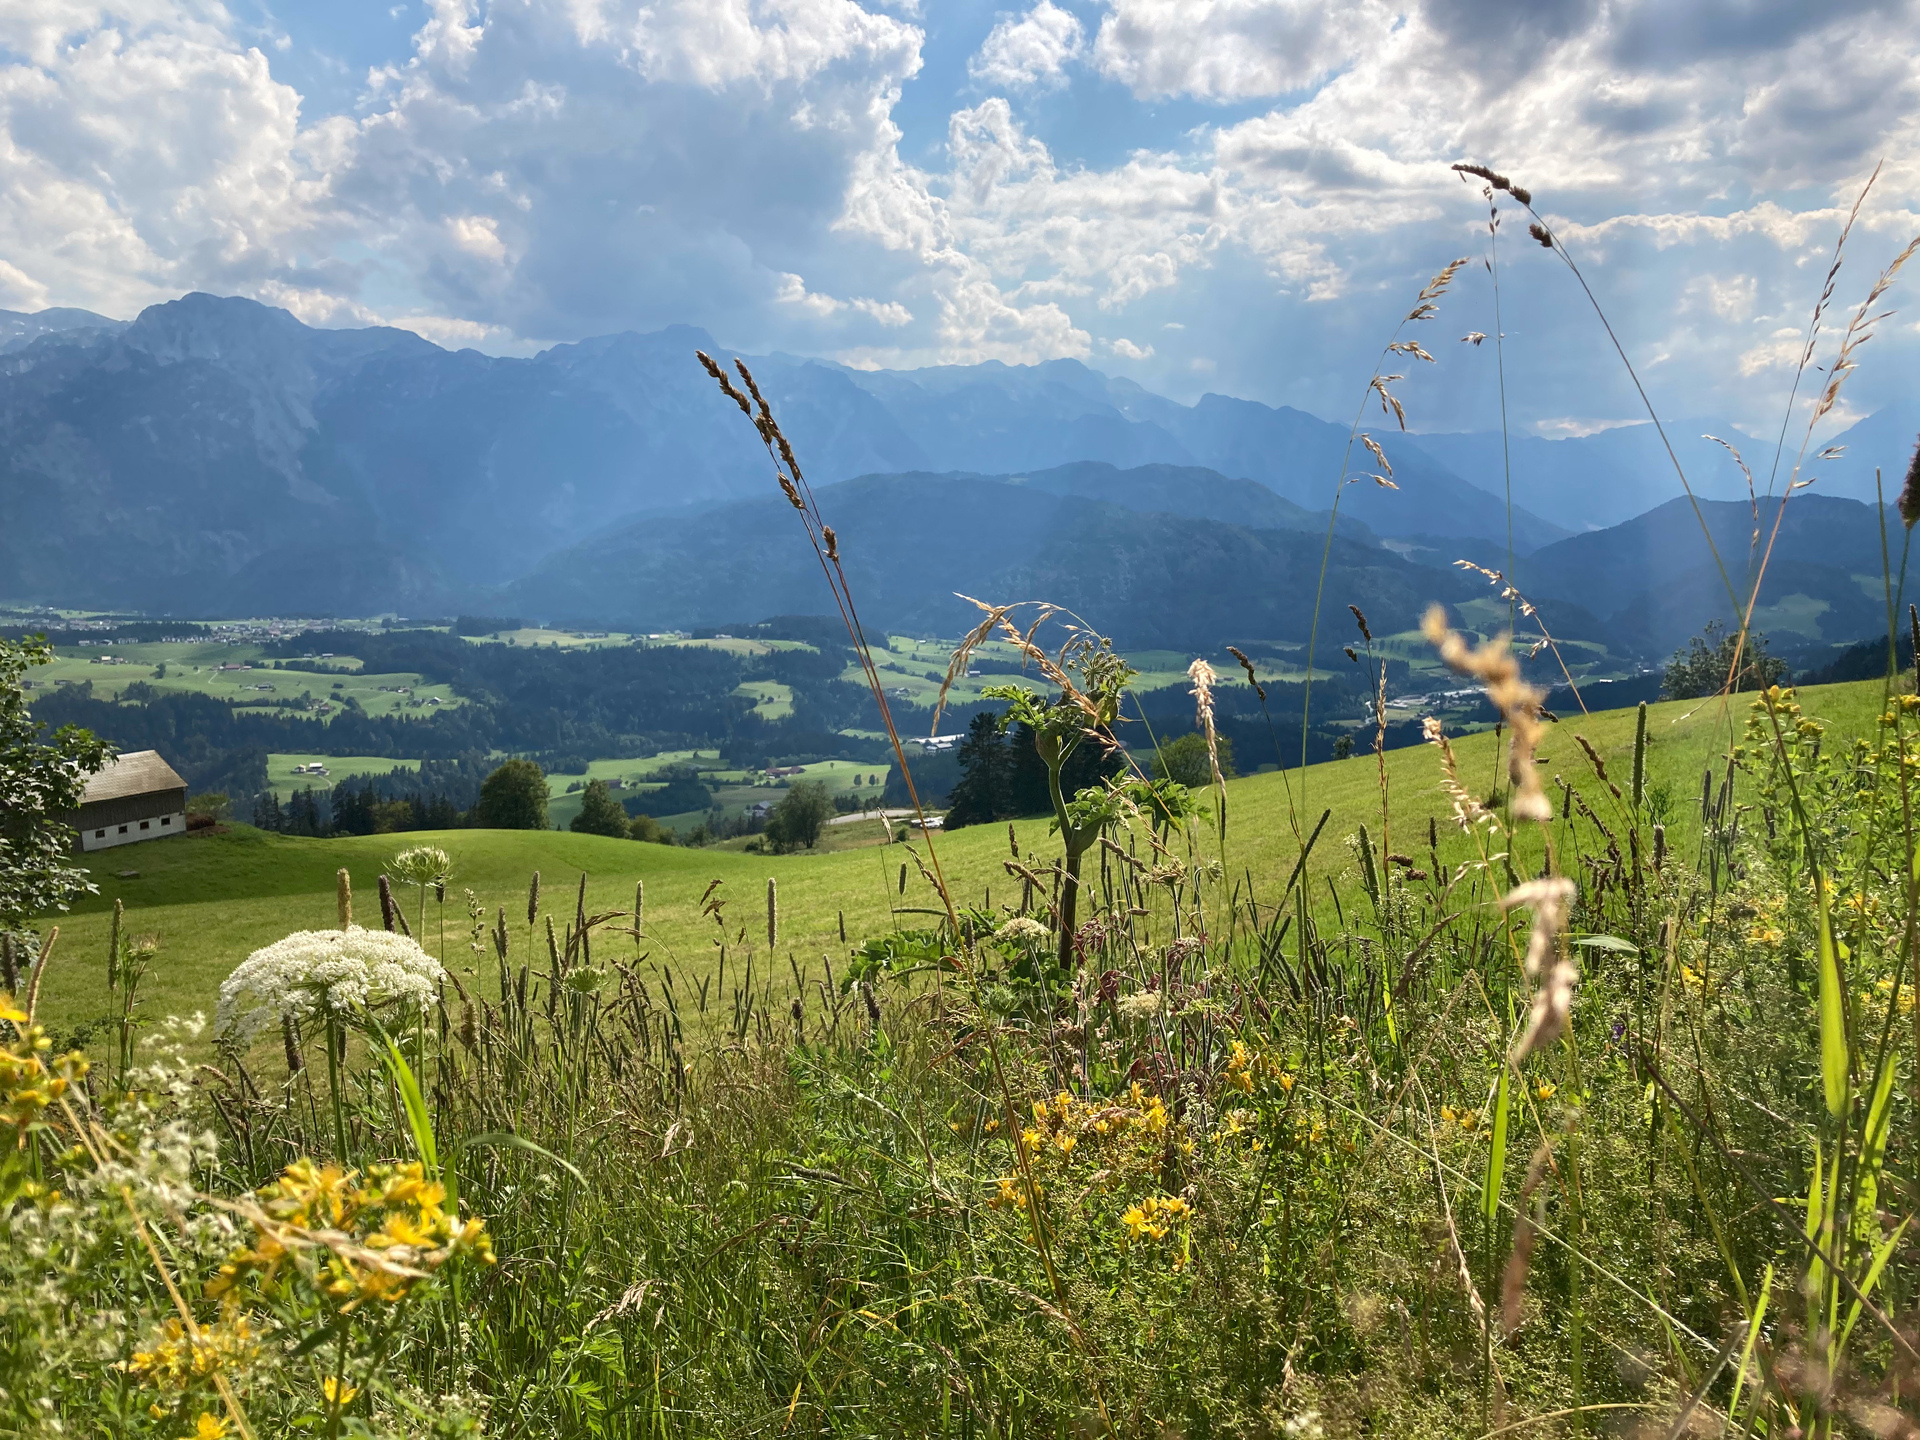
[{"x": 137, "y": 797}]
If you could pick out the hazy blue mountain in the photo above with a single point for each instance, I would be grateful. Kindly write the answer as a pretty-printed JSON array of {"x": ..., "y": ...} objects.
[
  {"x": 218, "y": 455},
  {"x": 1238, "y": 563},
  {"x": 1884, "y": 440},
  {"x": 1655, "y": 582},
  {"x": 18, "y": 329},
  {"x": 1589, "y": 482},
  {"x": 995, "y": 418}
]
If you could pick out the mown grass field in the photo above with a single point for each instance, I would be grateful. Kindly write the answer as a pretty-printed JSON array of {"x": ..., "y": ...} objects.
[{"x": 213, "y": 898}]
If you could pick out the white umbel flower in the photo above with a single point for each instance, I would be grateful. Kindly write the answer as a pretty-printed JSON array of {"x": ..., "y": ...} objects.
[
  {"x": 325, "y": 972},
  {"x": 1022, "y": 930}
]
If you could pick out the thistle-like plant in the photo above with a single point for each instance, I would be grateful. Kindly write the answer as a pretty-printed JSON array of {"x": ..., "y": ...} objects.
[{"x": 1085, "y": 712}]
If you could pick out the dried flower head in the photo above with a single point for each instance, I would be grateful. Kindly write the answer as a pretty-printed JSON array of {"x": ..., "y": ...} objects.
[{"x": 1540, "y": 233}]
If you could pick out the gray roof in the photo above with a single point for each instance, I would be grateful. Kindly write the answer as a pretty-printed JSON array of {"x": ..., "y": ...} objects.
[{"x": 139, "y": 772}]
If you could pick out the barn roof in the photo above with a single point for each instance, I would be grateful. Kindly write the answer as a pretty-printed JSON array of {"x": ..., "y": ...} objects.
[{"x": 139, "y": 772}]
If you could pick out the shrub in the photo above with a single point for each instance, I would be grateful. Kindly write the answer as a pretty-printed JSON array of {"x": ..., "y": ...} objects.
[
  {"x": 513, "y": 797},
  {"x": 1702, "y": 668},
  {"x": 797, "y": 818},
  {"x": 1185, "y": 760},
  {"x": 600, "y": 813}
]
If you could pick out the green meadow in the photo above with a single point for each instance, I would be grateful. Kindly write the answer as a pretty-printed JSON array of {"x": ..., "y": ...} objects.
[{"x": 210, "y": 899}]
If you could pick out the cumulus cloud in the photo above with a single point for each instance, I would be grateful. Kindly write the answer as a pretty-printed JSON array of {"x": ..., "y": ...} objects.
[
  {"x": 1031, "y": 49},
  {"x": 554, "y": 168},
  {"x": 1232, "y": 49}
]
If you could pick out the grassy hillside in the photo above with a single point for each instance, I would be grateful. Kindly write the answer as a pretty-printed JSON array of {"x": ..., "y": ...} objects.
[{"x": 213, "y": 898}]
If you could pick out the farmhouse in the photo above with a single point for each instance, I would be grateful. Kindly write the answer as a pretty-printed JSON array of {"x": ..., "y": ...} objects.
[{"x": 137, "y": 797}]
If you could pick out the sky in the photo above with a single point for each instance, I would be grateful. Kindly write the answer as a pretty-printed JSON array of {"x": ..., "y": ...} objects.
[{"x": 1242, "y": 196}]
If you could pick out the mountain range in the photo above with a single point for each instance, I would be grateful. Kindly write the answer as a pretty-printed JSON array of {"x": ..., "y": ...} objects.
[{"x": 215, "y": 455}]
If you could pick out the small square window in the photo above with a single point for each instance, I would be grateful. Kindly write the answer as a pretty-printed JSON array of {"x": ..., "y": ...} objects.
[
  {"x": 99, "y": 834},
  {"x": 123, "y": 829},
  {"x": 144, "y": 824},
  {"x": 165, "y": 820}
]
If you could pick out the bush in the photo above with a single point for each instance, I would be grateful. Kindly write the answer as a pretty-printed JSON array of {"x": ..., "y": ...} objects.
[
  {"x": 1702, "y": 668},
  {"x": 212, "y": 807},
  {"x": 1185, "y": 761},
  {"x": 513, "y": 797},
  {"x": 796, "y": 820},
  {"x": 600, "y": 813}
]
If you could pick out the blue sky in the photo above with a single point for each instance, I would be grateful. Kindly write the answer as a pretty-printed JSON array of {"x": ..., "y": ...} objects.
[{"x": 1231, "y": 195}]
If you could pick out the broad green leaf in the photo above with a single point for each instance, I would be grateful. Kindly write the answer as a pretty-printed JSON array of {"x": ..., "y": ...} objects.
[{"x": 1833, "y": 1010}]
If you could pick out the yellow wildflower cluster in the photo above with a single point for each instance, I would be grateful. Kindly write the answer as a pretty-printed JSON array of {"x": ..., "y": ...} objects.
[
  {"x": 1110, "y": 1133},
  {"x": 1155, "y": 1217},
  {"x": 1011, "y": 1194},
  {"x": 1884, "y": 988},
  {"x": 380, "y": 1235},
  {"x": 1468, "y": 1120},
  {"x": 175, "y": 1360},
  {"x": 1902, "y": 705},
  {"x": 29, "y": 1080},
  {"x": 1245, "y": 1069},
  {"x": 1065, "y": 1122}
]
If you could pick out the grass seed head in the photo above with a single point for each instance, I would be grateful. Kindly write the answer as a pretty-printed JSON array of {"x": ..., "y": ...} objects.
[{"x": 1493, "y": 665}]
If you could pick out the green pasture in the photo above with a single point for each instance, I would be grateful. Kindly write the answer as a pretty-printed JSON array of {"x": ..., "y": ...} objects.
[
  {"x": 212, "y": 898},
  {"x": 199, "y": 668},
  {"x": 283, "y": 782},
  {"x": 558, "y": 639}
]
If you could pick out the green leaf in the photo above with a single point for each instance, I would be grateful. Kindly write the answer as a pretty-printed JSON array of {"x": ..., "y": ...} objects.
[
  {"x": 507, "y": 1140},
  {"x": 419, "y": 1118},
  {"x": 1833, "y": 1011},
  {"x": 1497, "y": 1158},
  {"x": 1608, "y": 942},
  {"x": 1872, "y": 1278}
]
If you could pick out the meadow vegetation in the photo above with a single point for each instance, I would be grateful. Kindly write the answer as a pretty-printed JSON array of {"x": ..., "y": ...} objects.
[{"x": 1555, "y": 1079}]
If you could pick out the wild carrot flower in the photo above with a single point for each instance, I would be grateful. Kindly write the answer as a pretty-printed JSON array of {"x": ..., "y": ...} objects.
[{"x": 325, "y": 972}]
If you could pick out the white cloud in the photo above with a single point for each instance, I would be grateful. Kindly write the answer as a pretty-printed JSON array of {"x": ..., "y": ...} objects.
[
  {"x": 564, "y": 167},
  {"x": 793, "y": 290},
  {"x": 1232, "y": 49},
  {"x": 1032, "y": 49},
  {"x": 1127, "y": 350}
]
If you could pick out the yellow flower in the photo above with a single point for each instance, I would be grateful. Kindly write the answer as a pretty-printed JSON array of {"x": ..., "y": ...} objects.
[
  {"x": 337, "y": 1393},
  {"x": 1544, "y": 1091},
  {"x": 1135, "y": 1219},
  {"x": 1286, "y": 1082},
  {"x": 208, "y": 1427},
  {"x": 1066, "y": 1144},
  {"x": 992, "y": 1126}
]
